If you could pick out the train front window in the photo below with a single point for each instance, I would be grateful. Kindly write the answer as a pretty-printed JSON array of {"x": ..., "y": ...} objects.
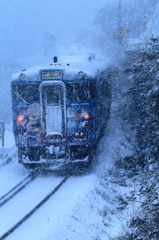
[
  {"x": 26, "y": 93},
  {"x": 53, "y": 96},
  {"x": 81, "y": 91}
]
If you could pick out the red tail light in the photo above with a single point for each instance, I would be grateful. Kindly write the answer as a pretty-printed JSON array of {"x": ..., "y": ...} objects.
[
  {"x": 20, "y": 118},
  {"x": 86, "y": 116}
]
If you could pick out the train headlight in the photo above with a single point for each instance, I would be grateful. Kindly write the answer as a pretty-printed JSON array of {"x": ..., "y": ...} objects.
[
  {"x": 81, "y": 74},
  {"x": 22, "y": 76},
  {"x": 20, "y": 118},
  {"x": 86, "y": 116}
]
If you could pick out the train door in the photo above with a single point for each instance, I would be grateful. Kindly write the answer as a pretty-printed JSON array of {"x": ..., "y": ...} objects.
[{"x": 53, "y": 111}]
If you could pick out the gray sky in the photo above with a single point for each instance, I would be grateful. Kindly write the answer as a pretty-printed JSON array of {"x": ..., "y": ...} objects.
[{"x": 24, "y": 22}]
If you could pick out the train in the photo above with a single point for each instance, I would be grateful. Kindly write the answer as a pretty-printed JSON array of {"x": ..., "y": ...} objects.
[{"x": 60, "y": 111}]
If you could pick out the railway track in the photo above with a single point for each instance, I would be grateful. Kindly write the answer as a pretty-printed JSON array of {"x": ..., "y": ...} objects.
[
  {"x": 17, "y": 188},
  {"x": 5, "y": 198}
]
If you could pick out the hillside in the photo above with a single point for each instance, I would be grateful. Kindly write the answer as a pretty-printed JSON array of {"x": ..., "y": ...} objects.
[{"x": 137, "y": 114}]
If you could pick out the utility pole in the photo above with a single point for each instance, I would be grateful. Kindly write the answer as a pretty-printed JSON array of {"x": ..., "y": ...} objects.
[{"x": 122, "y": 30}]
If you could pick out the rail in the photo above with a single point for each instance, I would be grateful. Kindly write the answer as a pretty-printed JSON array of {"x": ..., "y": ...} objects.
[
  {"x": 17, "y": 188},
  {"x": 12, "y": 229}
]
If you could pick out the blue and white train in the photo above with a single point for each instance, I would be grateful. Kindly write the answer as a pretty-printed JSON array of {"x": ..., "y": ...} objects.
[{"x": 60, "y": 112}]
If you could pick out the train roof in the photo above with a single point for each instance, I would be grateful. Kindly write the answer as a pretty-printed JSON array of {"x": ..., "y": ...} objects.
[{"x": 70, "y": 66}]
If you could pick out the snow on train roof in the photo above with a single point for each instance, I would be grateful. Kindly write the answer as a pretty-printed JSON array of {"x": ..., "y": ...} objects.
[{"x": 71, "y": 64}]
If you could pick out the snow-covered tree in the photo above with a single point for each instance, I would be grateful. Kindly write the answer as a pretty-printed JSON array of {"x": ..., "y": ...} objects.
[{"x": 119, "y": 20}]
